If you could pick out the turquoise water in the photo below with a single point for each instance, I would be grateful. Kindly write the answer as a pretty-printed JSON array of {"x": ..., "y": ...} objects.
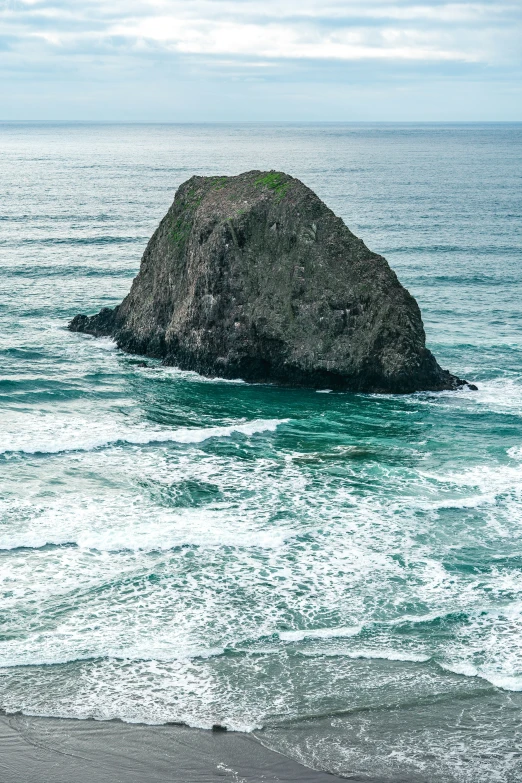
[{"x": 341, "y": 574}]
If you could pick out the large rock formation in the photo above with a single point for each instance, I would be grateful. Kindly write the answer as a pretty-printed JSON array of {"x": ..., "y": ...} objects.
[{"x": 254, "y": 277}]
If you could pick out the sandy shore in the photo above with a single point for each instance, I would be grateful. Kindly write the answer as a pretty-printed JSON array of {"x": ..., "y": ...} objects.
[{"x": 53, "y": 750}]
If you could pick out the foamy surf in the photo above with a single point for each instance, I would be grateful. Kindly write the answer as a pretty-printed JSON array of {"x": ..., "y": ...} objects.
[
  {"x": 320, "y": 633},
  {"x": 502, "y": 680},
  {"x": 47, "y": 435},
  {"x": 497, "y": 395}
]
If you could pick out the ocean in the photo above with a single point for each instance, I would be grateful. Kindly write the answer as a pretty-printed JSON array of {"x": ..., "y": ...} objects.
[{"x": 340, "y": 574}]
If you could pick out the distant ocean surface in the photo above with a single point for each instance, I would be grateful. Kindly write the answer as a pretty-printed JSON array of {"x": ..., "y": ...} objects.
[{"x": 340, "y": 574}]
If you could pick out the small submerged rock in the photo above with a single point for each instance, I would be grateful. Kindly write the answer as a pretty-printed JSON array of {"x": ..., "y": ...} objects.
[{"x": 254, "y": 277}]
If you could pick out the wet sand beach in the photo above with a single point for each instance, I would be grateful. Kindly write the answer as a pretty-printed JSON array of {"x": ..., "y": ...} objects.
[{"x": 55, "y": 750}]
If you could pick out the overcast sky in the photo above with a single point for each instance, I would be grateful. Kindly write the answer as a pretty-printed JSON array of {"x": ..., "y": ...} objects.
[{"x": 208, "y": 60}]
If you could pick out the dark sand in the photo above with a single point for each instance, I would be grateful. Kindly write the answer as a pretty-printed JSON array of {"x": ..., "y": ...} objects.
[{"x": 54, "y": 750}]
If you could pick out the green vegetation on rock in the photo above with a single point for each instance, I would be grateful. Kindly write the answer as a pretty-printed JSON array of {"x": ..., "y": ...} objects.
[{"x": 276, "y": 181}]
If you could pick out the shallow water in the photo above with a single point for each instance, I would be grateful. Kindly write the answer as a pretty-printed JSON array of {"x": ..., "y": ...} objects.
[{"x": 339, "y": 573}]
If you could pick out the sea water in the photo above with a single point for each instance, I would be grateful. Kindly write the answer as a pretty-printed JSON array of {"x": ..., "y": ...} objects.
[{"x": 339, "y": 573}]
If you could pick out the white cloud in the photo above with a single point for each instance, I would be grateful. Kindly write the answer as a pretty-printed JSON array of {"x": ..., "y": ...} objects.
[
  {"x": 295, "y": 41},
  {"x": 348, "y": 30}
]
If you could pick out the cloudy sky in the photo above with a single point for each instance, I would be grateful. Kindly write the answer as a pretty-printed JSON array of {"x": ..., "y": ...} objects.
[{"x": 208, "y": 60}]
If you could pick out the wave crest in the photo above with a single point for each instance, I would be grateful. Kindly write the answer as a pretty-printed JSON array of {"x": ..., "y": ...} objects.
[{"x": 86, "y": 436}]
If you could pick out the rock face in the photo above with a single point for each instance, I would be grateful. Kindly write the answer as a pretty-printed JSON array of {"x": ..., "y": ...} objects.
[{"x": 254, "y": 277}]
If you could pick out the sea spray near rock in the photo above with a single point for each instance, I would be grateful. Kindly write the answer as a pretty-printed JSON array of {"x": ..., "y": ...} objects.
[{"x": 255, "y": 277}]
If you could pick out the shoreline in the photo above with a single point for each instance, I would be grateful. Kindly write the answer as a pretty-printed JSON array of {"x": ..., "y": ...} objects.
[{"x": 60, "y": 750}]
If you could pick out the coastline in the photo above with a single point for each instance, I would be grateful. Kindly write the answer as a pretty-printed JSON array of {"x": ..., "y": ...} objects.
[{"x": 60, "y": 750}]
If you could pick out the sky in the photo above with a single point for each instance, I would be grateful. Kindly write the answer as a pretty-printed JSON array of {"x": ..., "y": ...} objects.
[{"x": 260, "y": 60}]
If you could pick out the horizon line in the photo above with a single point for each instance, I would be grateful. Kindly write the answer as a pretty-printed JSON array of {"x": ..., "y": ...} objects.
[{"x": 259, "y": 122}]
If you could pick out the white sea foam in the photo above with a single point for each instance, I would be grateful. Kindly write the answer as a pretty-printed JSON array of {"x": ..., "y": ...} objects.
[
  {"x": 189, "y": 375},
  {"x": 367, "y": 653},
  {"x": 106, "y": 344},
  {"x": 50, "y": 434},
  {"x": 117, "y": 525},
  {"x": 515, "y": 452},
  {"x": 474, "y": 501},
  {"x": 506, "y": 682},
  {"x": 499, "y": 395},
  {"x": 491, "y": 479},
  {"x": 21, "y": 655},
  {"x": 388, "y": 655},
  {"x": 320, "y": 633}
]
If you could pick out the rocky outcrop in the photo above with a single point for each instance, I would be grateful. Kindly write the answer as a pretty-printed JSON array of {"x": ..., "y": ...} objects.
[{"x": 254, "y": 277}]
